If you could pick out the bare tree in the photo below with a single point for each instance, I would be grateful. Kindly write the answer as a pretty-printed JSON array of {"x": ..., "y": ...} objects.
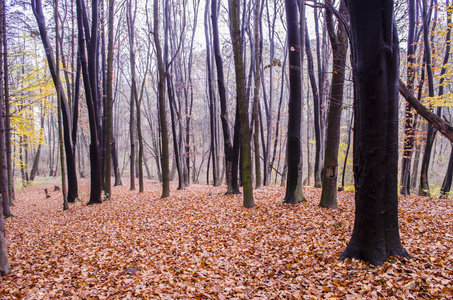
[
  {"x": 294, "y": 161},
  {"x": 339, "y": 43},
  {"x": 375, "y": 49},
  {"x": 236, "y": 36}
]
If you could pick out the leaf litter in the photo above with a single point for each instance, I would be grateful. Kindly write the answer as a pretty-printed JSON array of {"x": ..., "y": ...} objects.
[{"x": 202, "y": 244}]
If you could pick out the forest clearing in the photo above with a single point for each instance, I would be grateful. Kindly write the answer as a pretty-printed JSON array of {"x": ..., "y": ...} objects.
[{"x": 201, "y": 244}]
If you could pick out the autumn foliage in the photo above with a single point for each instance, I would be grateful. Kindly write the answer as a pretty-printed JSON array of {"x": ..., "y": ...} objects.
[{"x": 202, "y": 244}]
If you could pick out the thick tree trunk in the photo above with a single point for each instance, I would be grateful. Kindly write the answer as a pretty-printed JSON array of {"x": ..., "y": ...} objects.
[
  {"x": 339, "y": 42},
  {"x": 375, "y": 51},
  {"x": 294, "y": 161},
  {"x": 236, "y": 35}
]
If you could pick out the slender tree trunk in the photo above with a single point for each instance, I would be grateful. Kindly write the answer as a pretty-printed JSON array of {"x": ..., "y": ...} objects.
[
  {"x": 89, "y": 80},
  {"x": 256, "y": 93},
  {"x": 277, "y": 127},
  {"x": 133, "y": 102},
  {"x": 269, "y": 164},
  {"x": 321, "y": 59},
  {"x": 189, "y": 107},
  {"x": 4, "y": 264},
  {"x": 227, "y": 145},
  {"x": 178, "y": 161},
  {"x": 141, "y": 186},
  {"x": 109, "y": 105},
  {"x": 9, "y": 163},
  {"x": 236, "y": 36},
  {"x": 75, "y": 106},
  {"x": 446, "y": 184},
  {"x": 60, "y": 125},
  {"x": 347, "y": 152},
  {"x": 406, "y": 160},
  {"x": 211, "y": 97},
  {"x": 162, "y": 106},
  {"x": 4, "y": 261},
  {"x": 424, "y": 184},
  {"x": 339, "y": 42},
  {"x": 65, "y": 113},
  {"x": 5, "y": 182},
  {"x": 116, "y": 170},
  {"x": 34, "y": 168},
  {"x": 316, "y": 108},
  {"x": 294, "y": 162}
]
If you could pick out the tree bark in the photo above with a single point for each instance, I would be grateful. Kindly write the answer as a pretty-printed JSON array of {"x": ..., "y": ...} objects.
[
  {"x": 236, "y": 36},
  {"x": 321, "y": 58},
  {"x": 211, "y": 99},
  {"x": 34, "y": 168},
  {"x": 409, "y": 140},
  {"x": 256, "y": 93},
  {"x": 165, "y": 159},
  {"x": 339, "y": 42},
  {"x": 66, "y": 119},
  {"x": 431, "y": 133},
  {"x": 446, "y": 184},
  {"x": 294, "y": 161},
  {"x": 116, "y": 170},
  {"x": 109, "y": 104},
  {"x": 132, "y": 106},
  {"x": 316, "y": 110},
  {"x": 227, "y": 145},
  {"x": 375, "y": 236},
  {"x": 60, "y": 129},
  {"x": 4, "y": 264},
  {"x": 9, "y": 163},
  {"x": 89, "y": 73},
  {"x": 267, "y": 163},
  {"x": 277, "y": 127}
]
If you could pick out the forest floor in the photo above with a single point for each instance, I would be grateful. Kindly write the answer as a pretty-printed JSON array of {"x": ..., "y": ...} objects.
[{"x": 201, "y": 244}]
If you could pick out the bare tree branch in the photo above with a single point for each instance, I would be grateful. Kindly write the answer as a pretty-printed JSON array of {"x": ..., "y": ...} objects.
[{"x": 442, "y": 126}]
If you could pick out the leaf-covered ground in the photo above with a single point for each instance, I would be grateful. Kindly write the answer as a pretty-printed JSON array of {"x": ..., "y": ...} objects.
[{"x": 201, "y": 244}]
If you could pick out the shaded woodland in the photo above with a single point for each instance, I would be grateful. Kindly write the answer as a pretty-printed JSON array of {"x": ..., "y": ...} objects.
[{"x": 340, "y": 95}]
